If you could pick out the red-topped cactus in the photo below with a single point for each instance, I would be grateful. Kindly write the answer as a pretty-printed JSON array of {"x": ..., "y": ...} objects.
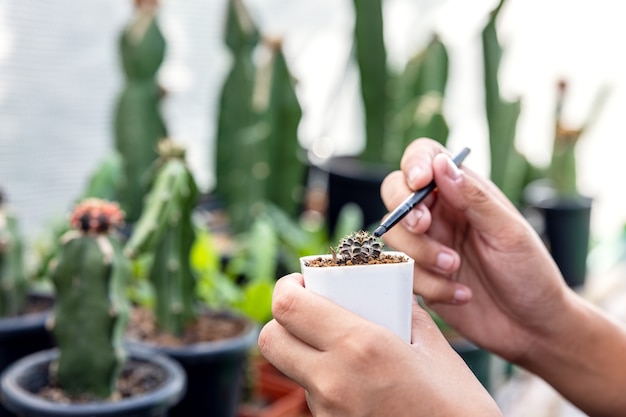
[{"x": 91, "y": 309}]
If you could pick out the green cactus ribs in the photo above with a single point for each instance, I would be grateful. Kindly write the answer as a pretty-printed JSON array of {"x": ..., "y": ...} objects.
[
  {"x": 90, "y": 275},
  {"x": 357, "y": 248}
]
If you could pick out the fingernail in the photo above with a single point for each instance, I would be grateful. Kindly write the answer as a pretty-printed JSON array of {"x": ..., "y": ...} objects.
[
  {"x": 462, "y": 295},
  {"x": 414, "y": 174},
  {"x": 453, "y": 171},
  {"x": 445, "y": 261},
  {"x": 413, "y": 217}
]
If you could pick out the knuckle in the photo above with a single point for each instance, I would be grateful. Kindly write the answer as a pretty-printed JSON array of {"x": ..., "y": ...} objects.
[{"x": 284, "y": 301}]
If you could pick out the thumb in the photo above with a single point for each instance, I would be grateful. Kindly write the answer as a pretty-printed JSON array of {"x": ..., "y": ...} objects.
[{"x": 485, "y": 207}]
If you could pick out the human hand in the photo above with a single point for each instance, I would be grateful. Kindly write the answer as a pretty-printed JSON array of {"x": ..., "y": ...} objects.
[
  {"x": 352, "y": 367},
  {"x": 478, "y": 263}
]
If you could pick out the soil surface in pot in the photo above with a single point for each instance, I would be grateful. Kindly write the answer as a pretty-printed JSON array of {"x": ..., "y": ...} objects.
[
  {"x": 338, "y": 261},
  {"x": 33, "y": 305},
  {"x": 208, "y": 327},
  {"x": 137, "y": 378}
]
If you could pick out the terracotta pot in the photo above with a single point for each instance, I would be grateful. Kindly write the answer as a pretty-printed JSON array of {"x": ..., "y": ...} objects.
[{"x": 275, "y": 395}]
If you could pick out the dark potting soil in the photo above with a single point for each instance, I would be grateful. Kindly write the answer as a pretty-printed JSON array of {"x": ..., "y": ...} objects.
[
  {"x": 208, "y": 327},
  {"x": 327, "y": 261},
  {"x": 137, "y": 378}
]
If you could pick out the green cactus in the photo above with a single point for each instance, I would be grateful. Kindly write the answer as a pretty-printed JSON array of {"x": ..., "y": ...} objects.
[
  {"x": 360, "y": 247},
  {"x": 90, "y": 275},
  {"x": 165, "y": 229},
  {"x": 417, "y": 100},
  {"x": 509, "y": 169},
  {"x": 12, "y": 274},
  {"x": 257, "y": 128},
  {"x": 138, "y": 122},
  {"x": 235, "y": 114},
  {"x": 562, "y": 169},
  {"x": 371, "y": 57}
]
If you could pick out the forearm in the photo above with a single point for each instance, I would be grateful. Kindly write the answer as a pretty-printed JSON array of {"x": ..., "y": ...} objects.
[{"x": 584, "y": 358}]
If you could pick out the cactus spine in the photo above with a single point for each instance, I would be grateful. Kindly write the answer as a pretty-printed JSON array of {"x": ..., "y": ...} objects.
[
  {"x": 91, "y": 310},
  {"x": 138, "y": 122},
  {"x": 12, "y": 275},
  {"x": 165, "y": 228}
]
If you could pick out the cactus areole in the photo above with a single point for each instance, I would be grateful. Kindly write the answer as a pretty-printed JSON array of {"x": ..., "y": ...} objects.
[{"x": 357, "y": 248}]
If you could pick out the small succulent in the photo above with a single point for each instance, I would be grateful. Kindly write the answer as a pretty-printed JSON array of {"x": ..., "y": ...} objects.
[{"x": 360, "y": 247}]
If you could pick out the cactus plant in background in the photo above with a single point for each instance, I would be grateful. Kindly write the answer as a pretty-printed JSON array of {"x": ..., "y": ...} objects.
[
  {"x": 371, "y": 57},
  {"x": 510, "y": 171},
  {"x": 417, "y": 100},
  {"x": 235, "y": 111},
  {"x": 90, "y": 277},
  {"x": 138, "y": 122},
  {"x": 12, "y": 274},
  {"x": 165, "y": 229},
  {"x": 562, "y": 169},
  {"x": 257, "y": 128}
]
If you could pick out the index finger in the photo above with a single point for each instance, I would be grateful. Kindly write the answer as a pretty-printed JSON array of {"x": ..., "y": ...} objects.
[
  {"x": 417, "y": 161},
  {"x": 312, "y": 318}
]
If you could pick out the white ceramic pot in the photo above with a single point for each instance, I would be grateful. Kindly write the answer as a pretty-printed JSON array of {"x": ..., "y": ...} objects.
[{"x": 381, "y": 293}]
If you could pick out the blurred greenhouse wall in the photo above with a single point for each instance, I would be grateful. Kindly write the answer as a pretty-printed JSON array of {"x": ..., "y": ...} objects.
[{"x": 59, "y": 78}]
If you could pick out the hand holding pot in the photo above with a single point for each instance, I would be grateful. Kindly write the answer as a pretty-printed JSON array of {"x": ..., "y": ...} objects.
[{"x": 351, "y": 366}]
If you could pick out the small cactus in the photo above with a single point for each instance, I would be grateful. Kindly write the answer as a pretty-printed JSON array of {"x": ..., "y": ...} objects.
[
  {"x": 90, "y": 275},
  {"x": 360, "y": 247}
]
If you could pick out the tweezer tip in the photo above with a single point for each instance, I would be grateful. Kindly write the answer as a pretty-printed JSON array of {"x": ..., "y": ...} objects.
[{"x": 380, "y": 230}]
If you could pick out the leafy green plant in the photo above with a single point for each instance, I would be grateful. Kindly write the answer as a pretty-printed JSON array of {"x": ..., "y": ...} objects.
[{"x": 90, "y": 314}]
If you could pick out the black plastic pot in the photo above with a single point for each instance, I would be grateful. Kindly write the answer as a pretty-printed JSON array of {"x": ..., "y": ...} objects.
[
  {"x": 353, "y": 181},
  {"x": 23, "y": 335},
  {"x": 26, "y": 376},
  {"x": 565, "y": 228},
  {"x": 214, "y": 371}
]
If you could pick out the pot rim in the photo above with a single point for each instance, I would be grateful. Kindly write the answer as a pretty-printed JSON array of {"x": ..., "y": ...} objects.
[{"x": 19, "y": 399}]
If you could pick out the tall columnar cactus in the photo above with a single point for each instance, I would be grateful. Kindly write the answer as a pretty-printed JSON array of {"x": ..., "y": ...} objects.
[
  {"x": 417, "y": 100},
  {"x": 138, "y": 122},
  {"x": 90, "y": 275},
  {"x": 371, "y": 57},
  {"x": 509, "y": 169},
  {"x": 12, "y": 275},
  {"x": 235, "y": 112},
  {"x": 257, "y": 128},
  {"x": 165, "y": 229}
]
